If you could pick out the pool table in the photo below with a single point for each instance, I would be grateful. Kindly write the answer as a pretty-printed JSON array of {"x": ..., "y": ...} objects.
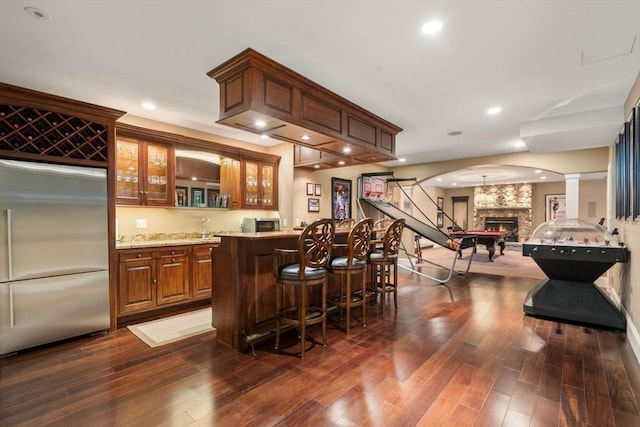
[{"x": 489, "y": 238}]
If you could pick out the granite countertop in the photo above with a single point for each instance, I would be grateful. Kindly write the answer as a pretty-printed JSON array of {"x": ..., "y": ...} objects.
[
  {"x": 260, "y": 235},
  {"x": 165, "y": 239}
]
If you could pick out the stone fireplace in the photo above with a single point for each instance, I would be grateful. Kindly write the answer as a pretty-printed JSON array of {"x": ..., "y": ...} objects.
[
  {"x": 510, "y": 211},
  {"x": 503, "y": 223},
  {"x": 516, "y": 220}
]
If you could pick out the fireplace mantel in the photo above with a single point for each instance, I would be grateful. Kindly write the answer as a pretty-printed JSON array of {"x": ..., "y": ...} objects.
[{"x": 502, "y": 207}]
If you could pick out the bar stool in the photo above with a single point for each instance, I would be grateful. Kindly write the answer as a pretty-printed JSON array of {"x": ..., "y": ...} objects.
[
  {"x": 385, "y": 259},
  {"x": 346, "y": 224},
  {"x": 379, "y": 228},
  {"x": 352, "y": 264},
  {"x": 299, "y": 269}
]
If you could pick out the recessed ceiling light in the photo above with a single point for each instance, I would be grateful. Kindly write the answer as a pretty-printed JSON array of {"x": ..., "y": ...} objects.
[
  {"x": 36, "y": 13},
  {"x": 454, "y": 183},
  {"x": 494, "y": 110},
  {"x": 432, "y": 27},
  {"x": 543, "y": 177},
  {"x": 305, "y": 137},
  {"x": 260, "y": 123},
  {"x": 537, "y": 171},
  {"x": 438, "y": 179},
  {"x": 194, "y": 178},
  {"x": 341, "y": 162},
  {"x": 264, "y": 136},
  {"x": 455, "y": 133},
  {"x": 148, "y": 105},
  {"x": 402, "y": 159},
  {"x": 346, "y": 150},
  {"x": 317, "y": 166}
]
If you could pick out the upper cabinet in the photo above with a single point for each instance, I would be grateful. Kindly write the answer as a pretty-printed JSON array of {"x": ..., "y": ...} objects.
[
  {"x": 47, "y": 128},
  {"x": 260, "y": 185},
  {"x": 262, "y": 96},
  {"x": 156, "y": 168},
  {"x": 144, "y": 172}
]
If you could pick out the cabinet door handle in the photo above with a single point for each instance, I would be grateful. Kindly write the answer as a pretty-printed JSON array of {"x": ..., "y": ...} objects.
[
  {"x": 155, "y": 280},
  {"x": 9, "y": 245},
  {"x": 139, "y": 256}
]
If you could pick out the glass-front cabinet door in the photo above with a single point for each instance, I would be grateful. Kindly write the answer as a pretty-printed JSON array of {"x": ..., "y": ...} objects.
[
  {"x": 267, "y": 186},
  {"x": 143, "y": 173},
  {"x": 260, "y": 187},
  {"x": 251, "y": 190},
  {"x": 128, "y": 189},
  {"x": 157, "y": 192}
]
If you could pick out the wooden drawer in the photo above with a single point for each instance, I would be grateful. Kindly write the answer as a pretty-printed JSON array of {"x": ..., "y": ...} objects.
[
  {"x": 135, "y": 255},
  {"x": 173, "y": 252}
]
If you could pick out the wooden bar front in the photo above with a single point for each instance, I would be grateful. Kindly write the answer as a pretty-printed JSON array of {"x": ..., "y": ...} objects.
[
  {"x": 244, "y": 293},
  {"x": 243, "y": 297}
]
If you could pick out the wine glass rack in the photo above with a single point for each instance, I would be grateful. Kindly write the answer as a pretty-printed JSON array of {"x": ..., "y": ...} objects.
[{"x": 39, "y": 132}]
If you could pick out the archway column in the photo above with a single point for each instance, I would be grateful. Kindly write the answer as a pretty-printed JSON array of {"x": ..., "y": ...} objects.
[{"x": 572, "y": 194}]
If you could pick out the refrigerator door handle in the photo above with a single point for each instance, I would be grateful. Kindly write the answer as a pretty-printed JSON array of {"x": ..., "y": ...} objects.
[
  {"x": 9, "y": 245},
  {"x": 12, "y": 318}
]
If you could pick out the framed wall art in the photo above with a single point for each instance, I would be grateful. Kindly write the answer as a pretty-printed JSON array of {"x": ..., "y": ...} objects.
[
  {"x": 440, "y": 204},
  {"x": 313, "y": 204},
  {"x": 309, "y": 188},
  {"x": 555, "y": 206},
  {"x": 318, "y": 190},
  {"x": 340, "y": 198},
  {"x": 212, "y": 198},
  {"x": 197, "y": 197},
  {"x": 181, "y": 196}
]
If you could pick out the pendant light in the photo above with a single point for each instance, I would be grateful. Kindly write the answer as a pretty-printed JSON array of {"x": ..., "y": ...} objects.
[{"x": 483, "y": 198}]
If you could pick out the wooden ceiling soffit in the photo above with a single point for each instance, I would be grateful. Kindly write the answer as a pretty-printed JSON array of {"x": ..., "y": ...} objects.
[{"x": 254, "y": 87}]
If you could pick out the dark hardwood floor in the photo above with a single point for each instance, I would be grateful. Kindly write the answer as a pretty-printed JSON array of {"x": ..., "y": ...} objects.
[{"x": 459, "y": 355}]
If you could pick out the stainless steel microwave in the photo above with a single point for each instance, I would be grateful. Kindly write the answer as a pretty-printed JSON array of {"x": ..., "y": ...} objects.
[{"x": 257, "y": 225}]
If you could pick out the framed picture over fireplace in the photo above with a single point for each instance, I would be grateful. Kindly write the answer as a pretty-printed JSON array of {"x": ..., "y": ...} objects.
[{"x": 555, "y": 206}]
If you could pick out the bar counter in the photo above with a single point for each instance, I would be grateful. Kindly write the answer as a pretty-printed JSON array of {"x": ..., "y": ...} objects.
[{"x": 244, "y": 294}]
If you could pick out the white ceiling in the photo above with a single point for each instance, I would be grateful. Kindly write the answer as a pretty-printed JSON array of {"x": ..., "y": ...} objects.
[{"x": 560, "y": 70}]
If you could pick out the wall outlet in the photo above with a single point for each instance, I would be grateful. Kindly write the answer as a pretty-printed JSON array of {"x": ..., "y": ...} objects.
[
  {"x": 284, "y": 222},
  {"x": 141, "y": 223}
]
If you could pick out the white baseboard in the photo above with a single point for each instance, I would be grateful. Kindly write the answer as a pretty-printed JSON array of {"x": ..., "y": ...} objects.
[{"x": 632, "y": 333}]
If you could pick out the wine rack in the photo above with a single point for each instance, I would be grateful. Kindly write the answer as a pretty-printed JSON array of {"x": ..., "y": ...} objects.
[{"x": 46, "y": 133}]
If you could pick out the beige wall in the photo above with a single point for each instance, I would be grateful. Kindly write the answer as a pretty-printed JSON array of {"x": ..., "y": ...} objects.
[
  {"x": 323, "y": 177},
  {"x": 626, "y": 278}
]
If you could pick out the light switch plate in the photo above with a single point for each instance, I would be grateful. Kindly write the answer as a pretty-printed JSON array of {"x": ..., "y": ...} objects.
[{"x": 141, "y": 223}]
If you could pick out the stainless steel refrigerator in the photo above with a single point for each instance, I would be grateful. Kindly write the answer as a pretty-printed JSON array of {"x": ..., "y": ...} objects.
[{"x": 54, "y": 268}]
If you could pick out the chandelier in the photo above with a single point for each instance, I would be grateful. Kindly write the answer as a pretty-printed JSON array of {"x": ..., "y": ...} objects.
[{"x": 483, "y": 198}]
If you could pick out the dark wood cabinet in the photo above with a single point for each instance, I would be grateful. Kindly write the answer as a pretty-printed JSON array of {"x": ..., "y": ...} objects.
[
  {"x": 252, "y": 183},
  {"x": 136, "y": 281},
  {"x": 230, "y": 182},
  {"x": 311, "y": 158},
  {"x": 144, "y": 172},
  {"x": 155, "y": 278},
  {"x": 201, "y": 281},
  {"x": 294, "y": 109},
  {"x": 43, "y": 127},
  {"x": 260, "y": 185},
  {"x": 151, "y": 278},
  {"x": 172, "y": 272}
]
